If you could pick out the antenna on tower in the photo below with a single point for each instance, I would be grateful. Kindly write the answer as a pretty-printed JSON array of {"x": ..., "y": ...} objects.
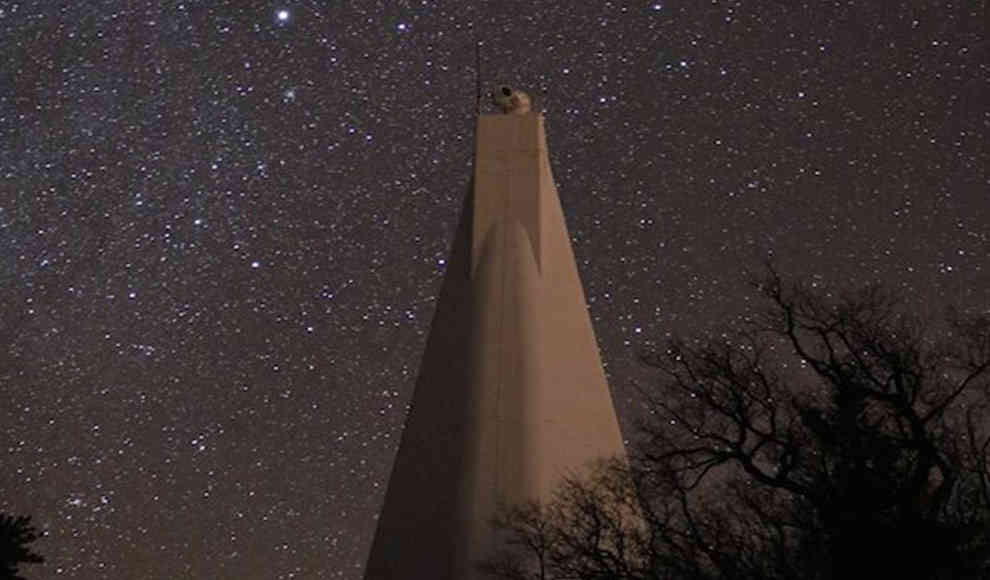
[{"x": 477, "y": 77}]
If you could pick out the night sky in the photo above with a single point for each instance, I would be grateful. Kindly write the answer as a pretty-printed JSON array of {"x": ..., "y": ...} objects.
[{"x": 223, "y": 226}]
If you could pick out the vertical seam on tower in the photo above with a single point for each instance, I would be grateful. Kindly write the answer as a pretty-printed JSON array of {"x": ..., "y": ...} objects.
[{"x": 501, "y": 339}]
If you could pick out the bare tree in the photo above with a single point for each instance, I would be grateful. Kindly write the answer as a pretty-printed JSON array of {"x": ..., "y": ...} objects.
[
  {"x": 828, "y": 436},
  {"x": 15, "y": 535}
]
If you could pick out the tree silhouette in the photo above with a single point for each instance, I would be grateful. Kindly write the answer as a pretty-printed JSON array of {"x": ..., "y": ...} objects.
[
  {"x": 828, "y": 436},
  {"x": 16, "y": 532}
]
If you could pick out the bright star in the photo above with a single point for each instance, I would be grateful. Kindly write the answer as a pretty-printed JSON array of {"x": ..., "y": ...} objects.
[{"x": 282, "y": 15}]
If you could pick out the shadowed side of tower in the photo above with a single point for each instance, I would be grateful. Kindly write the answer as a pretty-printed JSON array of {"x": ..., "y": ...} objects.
[{"x": 511, "y": 395}]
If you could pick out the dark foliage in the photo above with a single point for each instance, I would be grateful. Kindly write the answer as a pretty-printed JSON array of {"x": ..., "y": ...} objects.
[
  {"x": 16, "y": 532},
  {"x": 830, "y": 436}
]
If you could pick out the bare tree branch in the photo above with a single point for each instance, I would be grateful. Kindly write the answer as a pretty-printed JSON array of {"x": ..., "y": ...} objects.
[{"x": 830, "y": 435}]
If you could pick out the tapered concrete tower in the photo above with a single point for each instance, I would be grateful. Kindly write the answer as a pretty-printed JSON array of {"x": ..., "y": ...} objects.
[{"x": 511, "y": 395}]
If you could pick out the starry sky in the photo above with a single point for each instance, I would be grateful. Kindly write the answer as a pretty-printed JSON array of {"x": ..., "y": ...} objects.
[{"x": 223, "y": 226}]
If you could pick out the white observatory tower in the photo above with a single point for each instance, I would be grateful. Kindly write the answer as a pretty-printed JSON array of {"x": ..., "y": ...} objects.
[{"x": 511, "y": 395}]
